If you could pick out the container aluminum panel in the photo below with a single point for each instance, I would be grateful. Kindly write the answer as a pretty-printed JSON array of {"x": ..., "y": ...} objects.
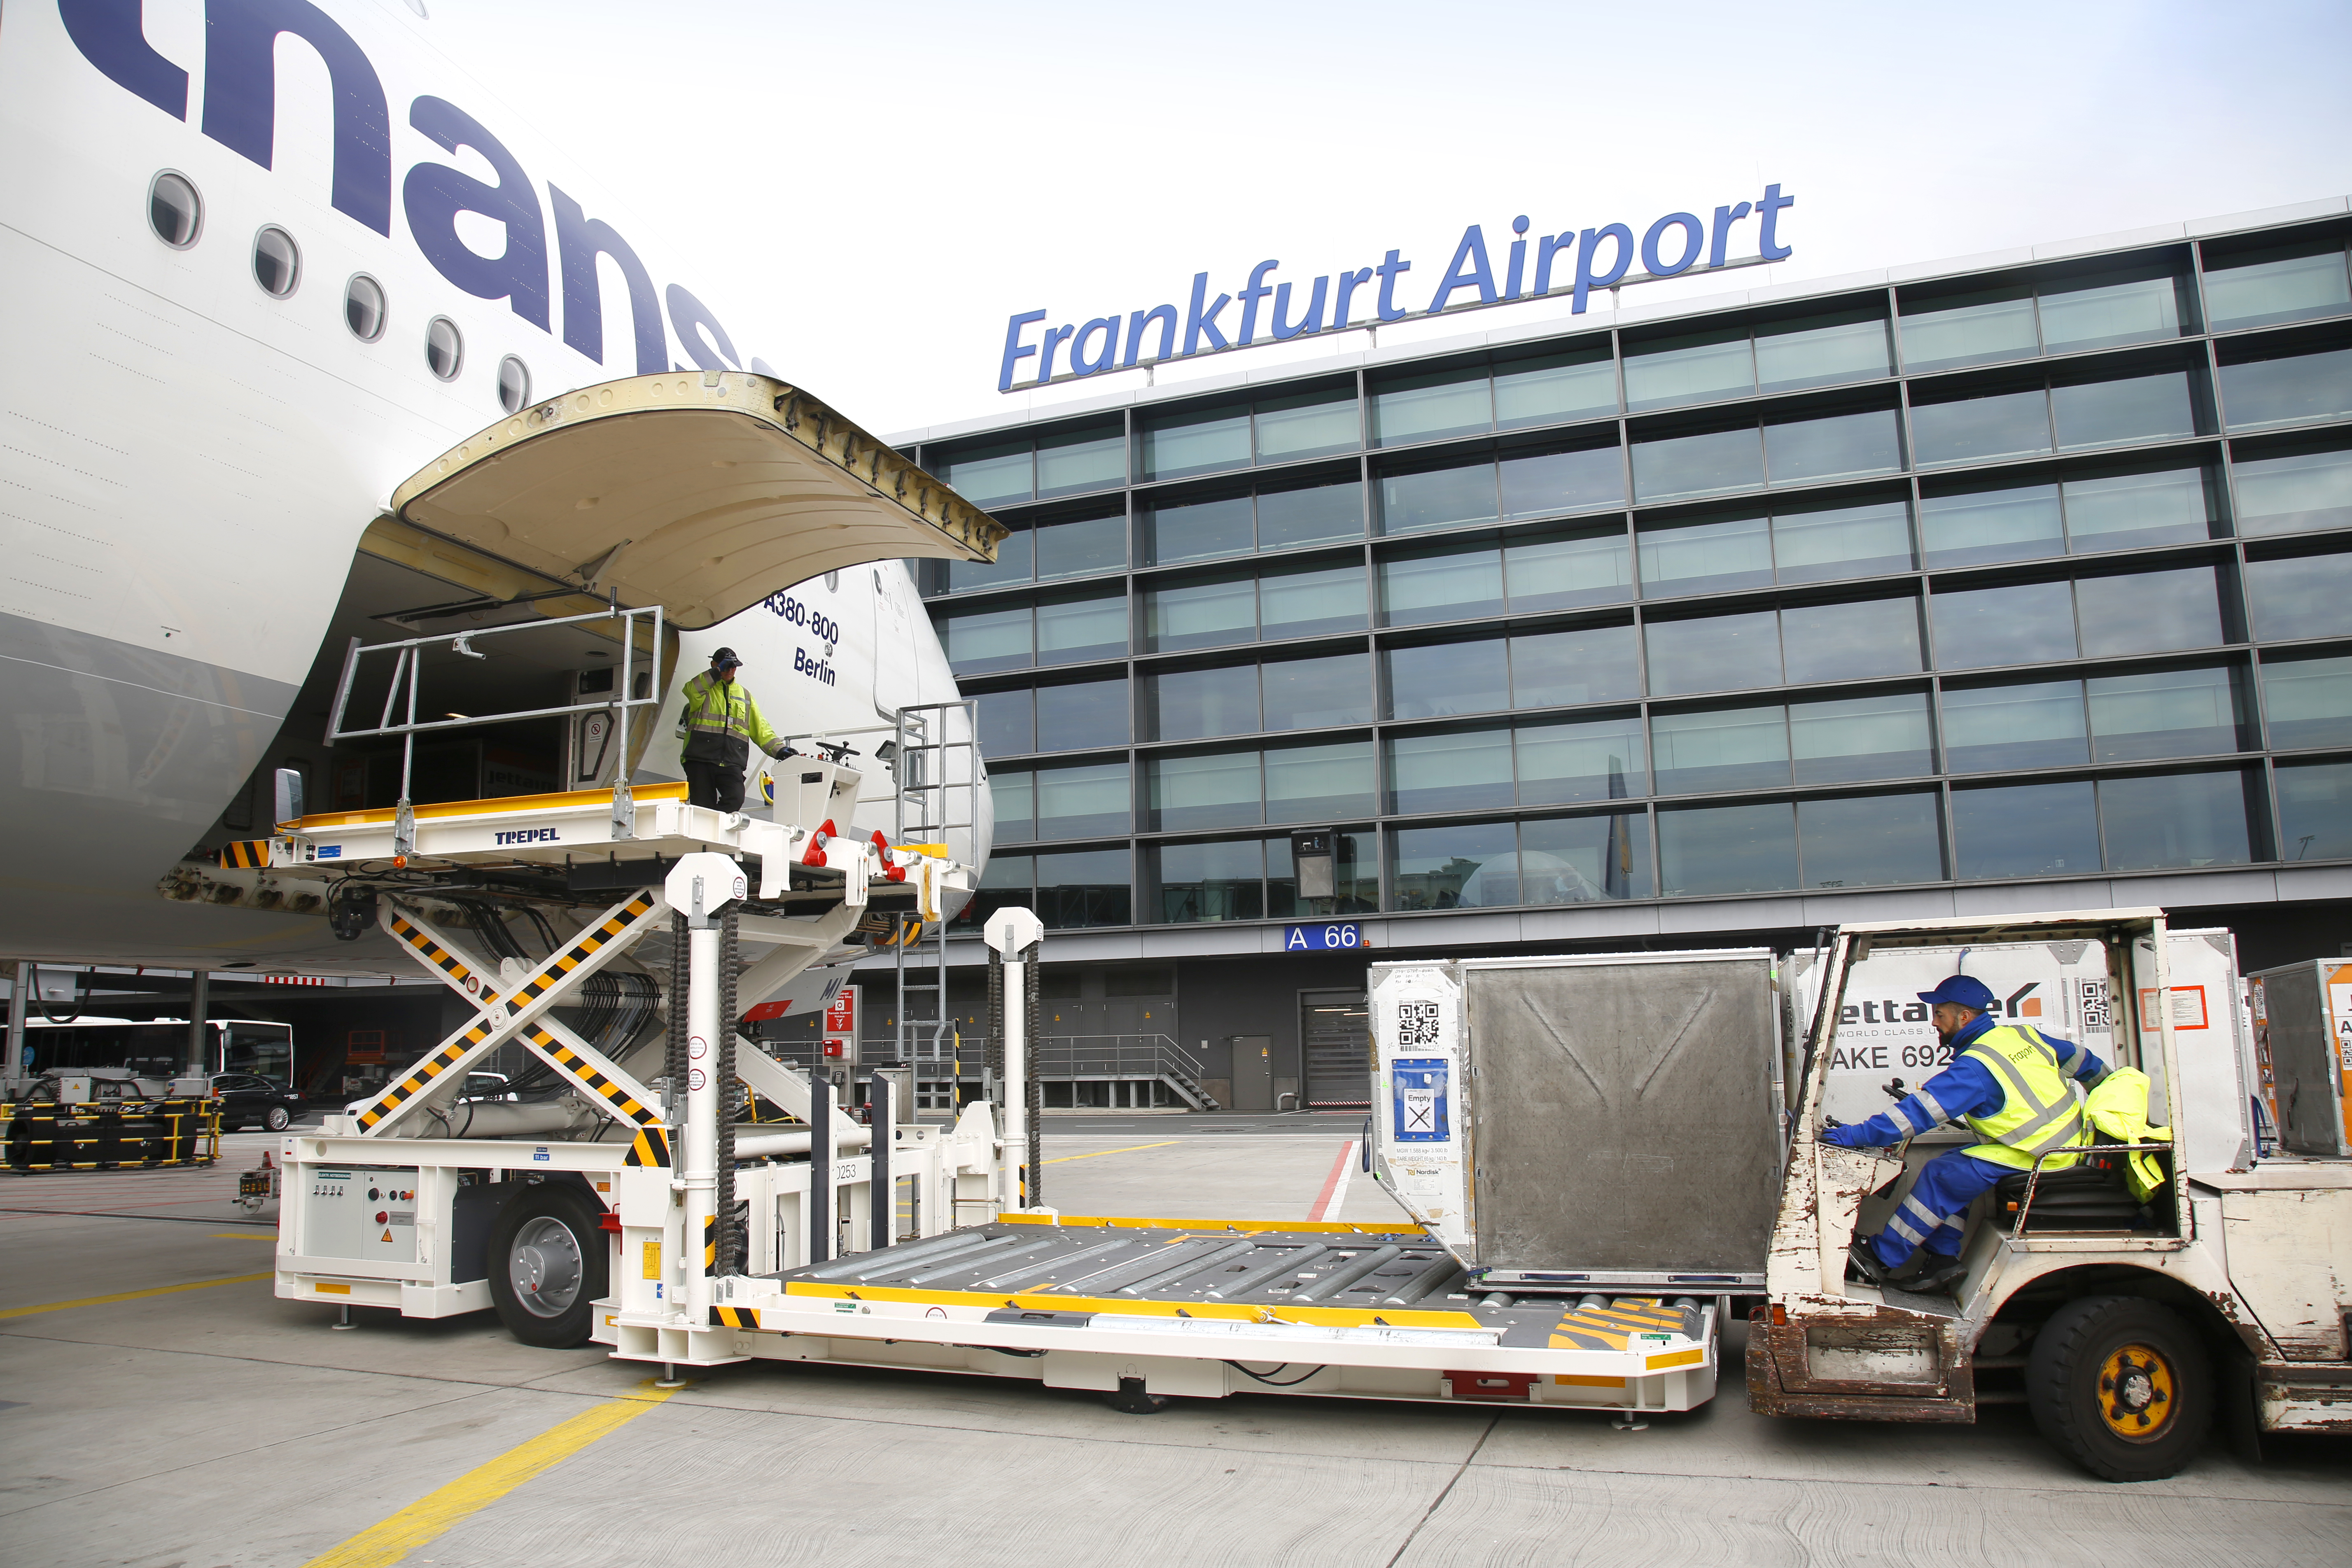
[
  {"x": 2306, "y": 1012},
  {"x": 1625, "y": 1113}
]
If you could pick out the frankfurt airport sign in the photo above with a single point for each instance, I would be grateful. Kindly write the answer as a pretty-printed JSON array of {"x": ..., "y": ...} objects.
[{"x": 1573, "y": 261}]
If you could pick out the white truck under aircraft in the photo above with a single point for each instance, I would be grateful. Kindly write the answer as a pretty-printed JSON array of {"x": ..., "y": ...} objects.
[{"x": 2130, "y": 1325}]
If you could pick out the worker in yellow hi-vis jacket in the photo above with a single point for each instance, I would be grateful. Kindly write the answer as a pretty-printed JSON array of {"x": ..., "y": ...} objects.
[{"x": 720, "y": 724}]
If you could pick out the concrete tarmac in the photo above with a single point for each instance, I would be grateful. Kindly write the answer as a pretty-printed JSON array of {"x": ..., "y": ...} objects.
[{"x": 218, "y": 1426}]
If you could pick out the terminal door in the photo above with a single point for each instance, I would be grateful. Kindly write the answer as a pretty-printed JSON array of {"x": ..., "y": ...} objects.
[{"x": 1337, "y": 1029}]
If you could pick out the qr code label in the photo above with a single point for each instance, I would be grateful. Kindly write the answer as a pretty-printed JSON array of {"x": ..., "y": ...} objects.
[
  {"x": 2099, "y": 1010},
  {"x": 1416, "y": 1024}
]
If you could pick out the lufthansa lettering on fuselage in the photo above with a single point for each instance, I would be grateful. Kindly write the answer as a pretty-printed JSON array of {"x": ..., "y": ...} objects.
[
  {"x": 526, "y": 835},
  {"x": 240, "y": 109}
]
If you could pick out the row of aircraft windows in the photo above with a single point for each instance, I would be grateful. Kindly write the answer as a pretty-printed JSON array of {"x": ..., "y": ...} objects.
[{"x": 176, "y": 213}]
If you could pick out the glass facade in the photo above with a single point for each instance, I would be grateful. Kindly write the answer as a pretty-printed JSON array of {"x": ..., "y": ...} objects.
[{"x": 2029, "y": 575}]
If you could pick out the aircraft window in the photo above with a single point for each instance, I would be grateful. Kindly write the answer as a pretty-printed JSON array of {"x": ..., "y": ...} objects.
[
  {"x": 445, "y": 350},
  {"x": 276, "y": 263},
  {"x": 364, "y": 310},
  {"x": 514, "y": 384},
  {"x": 175, "y": 210}
]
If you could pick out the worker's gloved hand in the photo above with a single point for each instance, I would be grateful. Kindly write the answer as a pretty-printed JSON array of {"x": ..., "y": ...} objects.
[
  {"x": 1845, "y": 1137},
  {"x": 780, "y": 751}
]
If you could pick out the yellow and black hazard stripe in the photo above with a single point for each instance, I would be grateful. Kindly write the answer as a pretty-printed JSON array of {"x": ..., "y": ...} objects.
[
  {"x": 441, "y": 958},
  {"x": 735, "y": 1317},
  {"x": 422, "y": 1075},
  {"x": 710, "y": 1243},
  {"x": 579, "y": 953},
  {"x": 1612, "y": 1327},
  {"x": 651, "y": 1148},
  {"x": 246, "y": 855},
  {"x": 580, "y": 1067}
]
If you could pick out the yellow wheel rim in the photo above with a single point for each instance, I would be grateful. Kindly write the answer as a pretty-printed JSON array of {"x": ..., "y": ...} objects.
[{"x": 2138, "y": 1393}]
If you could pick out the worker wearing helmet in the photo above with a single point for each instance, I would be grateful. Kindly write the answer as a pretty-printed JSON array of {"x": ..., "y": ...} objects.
[
  {"x": 2014, "y": 1088},
  {"x": 720, "y": 723}
]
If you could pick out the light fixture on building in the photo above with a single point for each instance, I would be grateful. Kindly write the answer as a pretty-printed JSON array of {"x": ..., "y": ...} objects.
[{"x": 1311, "y": 862}]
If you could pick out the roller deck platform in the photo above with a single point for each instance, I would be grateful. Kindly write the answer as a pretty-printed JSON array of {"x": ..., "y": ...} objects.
[{"x": 1206, "y": 1307}]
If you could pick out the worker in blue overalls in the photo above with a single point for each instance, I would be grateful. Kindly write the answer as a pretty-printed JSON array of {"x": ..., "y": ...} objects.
[{"x": 2014, "y": 1088}]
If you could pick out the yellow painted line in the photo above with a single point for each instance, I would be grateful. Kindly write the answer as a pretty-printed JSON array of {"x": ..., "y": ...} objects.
[
  {"x": 390, "y": 1540},
  {"x": 271, "y": 1238},
  {"x": 130, "y": 1295},
  {"x": 1098, "y": 1153}
]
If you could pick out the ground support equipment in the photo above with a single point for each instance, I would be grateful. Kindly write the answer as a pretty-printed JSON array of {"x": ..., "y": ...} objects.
[
  {"x": 1208, "y": 1308},
  {"x": 623, "y": 1176},
  {"x": 2130, "y": 1320}
]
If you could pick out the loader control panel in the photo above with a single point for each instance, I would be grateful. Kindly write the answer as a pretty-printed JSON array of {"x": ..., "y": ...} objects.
[{"x": 362, "y": 1211}]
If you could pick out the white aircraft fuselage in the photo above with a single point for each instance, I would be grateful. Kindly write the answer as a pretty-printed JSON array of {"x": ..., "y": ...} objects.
[{"x": 188, "y": 460}]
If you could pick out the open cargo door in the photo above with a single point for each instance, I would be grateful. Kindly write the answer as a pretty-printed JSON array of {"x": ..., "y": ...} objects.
[{"x": 702, "y": 492}]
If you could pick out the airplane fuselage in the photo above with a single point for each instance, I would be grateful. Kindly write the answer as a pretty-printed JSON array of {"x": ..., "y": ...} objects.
[{"x": 195, "y": 436}]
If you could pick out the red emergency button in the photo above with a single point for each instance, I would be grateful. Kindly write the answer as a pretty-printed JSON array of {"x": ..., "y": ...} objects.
[{"x": 381, "y": 1217}]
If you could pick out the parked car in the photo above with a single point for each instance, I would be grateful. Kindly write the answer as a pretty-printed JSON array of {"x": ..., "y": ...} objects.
[{"x": 248, "y": 1099}]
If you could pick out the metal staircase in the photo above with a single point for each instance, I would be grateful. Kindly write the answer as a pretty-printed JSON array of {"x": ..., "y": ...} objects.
[{"x": 1123, "y": 1058}]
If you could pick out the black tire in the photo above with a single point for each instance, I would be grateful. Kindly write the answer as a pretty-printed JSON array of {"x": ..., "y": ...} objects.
[
  {"x": 546, "y": 1259},
  {"x": 2122, "y": 1386},
  {"x": 278, "y": 1118}
]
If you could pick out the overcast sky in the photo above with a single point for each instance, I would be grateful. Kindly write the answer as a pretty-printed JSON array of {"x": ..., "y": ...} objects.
[{"x": 865, "y": 194}]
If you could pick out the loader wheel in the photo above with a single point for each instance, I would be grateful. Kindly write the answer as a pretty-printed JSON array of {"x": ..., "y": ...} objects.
[
  {"x": 547, "y": 1266},
  {"x": 2121, "y": 1385}
]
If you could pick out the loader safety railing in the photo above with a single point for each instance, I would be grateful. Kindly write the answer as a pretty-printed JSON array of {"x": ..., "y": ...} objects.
[{"x": 407, "y": 678}]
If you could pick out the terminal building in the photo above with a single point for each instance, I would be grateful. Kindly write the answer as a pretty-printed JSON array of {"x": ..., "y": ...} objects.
[{"x": 2017, "y": 583}]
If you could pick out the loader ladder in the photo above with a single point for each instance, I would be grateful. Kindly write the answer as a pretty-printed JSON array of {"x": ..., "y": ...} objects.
[{"x": 938, "y": 794}]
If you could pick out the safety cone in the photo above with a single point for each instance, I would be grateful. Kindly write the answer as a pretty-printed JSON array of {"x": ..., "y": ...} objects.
[{"x": 815, "y": 855}]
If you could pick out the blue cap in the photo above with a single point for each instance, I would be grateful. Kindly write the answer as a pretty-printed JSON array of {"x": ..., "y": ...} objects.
[{"x": 1964, "y": 990}]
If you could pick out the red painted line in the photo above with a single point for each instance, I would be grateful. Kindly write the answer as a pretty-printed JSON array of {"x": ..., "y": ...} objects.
[{"x": 1331, "y": 1183}]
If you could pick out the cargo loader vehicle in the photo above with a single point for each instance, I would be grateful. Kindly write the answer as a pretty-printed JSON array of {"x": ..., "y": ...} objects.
[{"x": 2131, "y": 1325}]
